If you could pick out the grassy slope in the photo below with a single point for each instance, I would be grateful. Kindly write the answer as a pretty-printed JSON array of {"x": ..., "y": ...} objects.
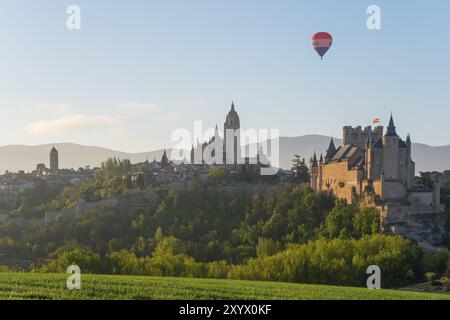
[{"x": 52, "y": 286}]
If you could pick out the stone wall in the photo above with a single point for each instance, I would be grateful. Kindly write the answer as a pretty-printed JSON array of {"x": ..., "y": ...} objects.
[
  {"x": 73, "y": 213},
  {"x": 421, "y": 224},
  {"x": 337, "y": 179},
  {"x": 393, "y": 190}
]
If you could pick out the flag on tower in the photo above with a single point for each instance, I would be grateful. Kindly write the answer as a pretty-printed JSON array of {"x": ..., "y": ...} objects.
[{"x": 376, "y": 120}]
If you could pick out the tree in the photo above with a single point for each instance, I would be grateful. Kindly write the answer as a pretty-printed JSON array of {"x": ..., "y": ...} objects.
[
  {"x": 301, "y": 169},
  {"x": 267, "y": 247}
]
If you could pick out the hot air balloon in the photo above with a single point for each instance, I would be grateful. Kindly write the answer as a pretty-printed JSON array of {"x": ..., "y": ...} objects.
[{"x": 321, "y": 42}]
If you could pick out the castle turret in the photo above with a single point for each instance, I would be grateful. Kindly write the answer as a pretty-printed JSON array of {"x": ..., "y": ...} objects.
[
  {"x": 391, "y": 152},
  {"x": 330, "y": 151},
  {"x": 369, "y": 158},
  {"x": 314, "y": 162},
  {"x": 410, "y": 167},
  {"x": 390, "y": 130},
  {"x": 314, "y": 172}
]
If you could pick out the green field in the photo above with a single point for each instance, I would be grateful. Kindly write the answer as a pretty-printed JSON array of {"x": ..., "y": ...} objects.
[{"x": 53, "y": 286}]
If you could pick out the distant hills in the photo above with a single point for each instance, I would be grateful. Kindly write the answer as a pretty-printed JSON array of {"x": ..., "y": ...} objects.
[
  {"x": 71, "y": 155},
  {"x": 21, "y": 157}
]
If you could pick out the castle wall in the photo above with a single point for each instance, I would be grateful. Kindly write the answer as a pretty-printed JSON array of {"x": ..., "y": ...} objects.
[
  {"x": 339, "y": 180},
  {"x": 378, "y": 163},
  {"x": 421, "y": 199},
  {"x": 377, "y": 187},
  {"x": 422, "y": 224},
  {"x": 358, "y": 136},
  {"x": 393, "y": 190},
  {"x": 391, "y": 157}
]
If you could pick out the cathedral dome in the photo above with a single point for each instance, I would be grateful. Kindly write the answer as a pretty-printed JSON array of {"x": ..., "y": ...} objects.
[{"x": 232, "y": 120}]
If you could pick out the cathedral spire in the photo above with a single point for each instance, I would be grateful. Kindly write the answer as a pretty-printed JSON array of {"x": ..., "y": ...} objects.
[
  {"x": 164, "y": 159},
  {"x": 391, "y": 128}
]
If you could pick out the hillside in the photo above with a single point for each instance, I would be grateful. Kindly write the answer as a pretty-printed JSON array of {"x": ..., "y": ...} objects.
[
  {"x": 21, "y": 157},
  {"x": 52, "y": 286}
]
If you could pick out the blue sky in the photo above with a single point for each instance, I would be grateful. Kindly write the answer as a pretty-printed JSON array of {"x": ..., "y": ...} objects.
[{"x": 137, "y": 70}]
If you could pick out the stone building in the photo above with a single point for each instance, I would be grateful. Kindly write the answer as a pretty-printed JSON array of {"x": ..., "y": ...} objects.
[{"x": 376, "y": 170}]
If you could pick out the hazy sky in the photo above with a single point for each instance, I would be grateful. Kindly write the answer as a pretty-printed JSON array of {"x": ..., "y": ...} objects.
[{"x": 137, "y": 70}]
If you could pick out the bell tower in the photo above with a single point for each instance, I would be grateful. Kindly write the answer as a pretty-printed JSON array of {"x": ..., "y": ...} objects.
[
  {"x": 231, "y": 141},
  {"x": 54, "y": 160}
]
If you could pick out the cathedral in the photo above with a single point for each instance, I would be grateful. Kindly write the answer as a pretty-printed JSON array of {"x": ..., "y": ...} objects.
[
  {"x": 226, "y": 149},
  {"x": 376, "y": 169}
]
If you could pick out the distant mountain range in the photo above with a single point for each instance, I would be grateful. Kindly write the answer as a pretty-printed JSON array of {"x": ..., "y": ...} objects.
[{"x": 21, "y": 157}]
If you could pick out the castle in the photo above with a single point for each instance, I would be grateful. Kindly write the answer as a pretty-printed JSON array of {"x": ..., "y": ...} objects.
[{"x": 376, "y": 170}]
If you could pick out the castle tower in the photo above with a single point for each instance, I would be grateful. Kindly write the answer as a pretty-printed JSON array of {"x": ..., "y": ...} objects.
[
  {"x": 410, "y": 168},
  {"x": 391, "y": 152},
  {"x": 320, "y": 183},
  {"x": 54, "y": 160},
  {"x": 231, "y": 138},
  {"x": 314, "y": 172},
  {"x": 369, "y": 160},
  {"x": 330, "y": 151}
]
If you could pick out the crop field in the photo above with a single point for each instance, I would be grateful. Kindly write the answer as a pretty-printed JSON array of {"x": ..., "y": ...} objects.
[{"x": 53, "y": 286}]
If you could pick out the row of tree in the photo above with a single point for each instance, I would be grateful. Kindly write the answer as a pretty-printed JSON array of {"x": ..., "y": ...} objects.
[{"x": 337, "y": 262}]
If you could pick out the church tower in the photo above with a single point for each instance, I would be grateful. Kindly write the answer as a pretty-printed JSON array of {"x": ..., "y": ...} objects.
[
  {"x": 231, "y": 139},
  {"x": 54, "y": 161},
  {"x": 164, "y": 159}
]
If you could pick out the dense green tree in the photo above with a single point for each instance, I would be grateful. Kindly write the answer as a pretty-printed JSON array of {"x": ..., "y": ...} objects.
[{"x": 300, "y": 168}]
